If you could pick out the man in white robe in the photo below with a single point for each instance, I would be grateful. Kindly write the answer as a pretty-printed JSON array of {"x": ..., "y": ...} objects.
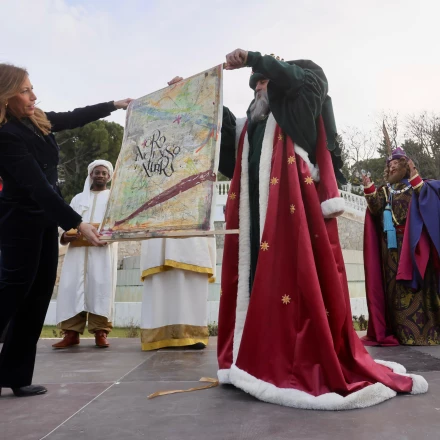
[
  {"x": 176, "y": 273},
  {"x": 88, "y": 279}
]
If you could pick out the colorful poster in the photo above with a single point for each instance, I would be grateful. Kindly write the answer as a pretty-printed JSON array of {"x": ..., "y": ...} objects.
[{"x": 164, "y": 182}]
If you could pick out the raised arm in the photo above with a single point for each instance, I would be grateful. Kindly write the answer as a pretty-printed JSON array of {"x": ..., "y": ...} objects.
[
  {"x": 297, "y": 91},
  {"x": 376, "y": 199},
  {"x": 288, "y": 78},
  {"x": 415, "y": 180},
  {"x": 82, "y": 116},
  {"x": 291, "y": 80}
]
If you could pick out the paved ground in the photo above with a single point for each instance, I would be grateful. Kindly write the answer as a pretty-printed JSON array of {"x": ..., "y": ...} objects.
[{"x": 102, "y": 394}]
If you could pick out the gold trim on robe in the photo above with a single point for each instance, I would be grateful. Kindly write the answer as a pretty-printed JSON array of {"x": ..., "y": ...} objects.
[
  {"x": 176, "y": 335},
  {"x": 172, "y": 264}
]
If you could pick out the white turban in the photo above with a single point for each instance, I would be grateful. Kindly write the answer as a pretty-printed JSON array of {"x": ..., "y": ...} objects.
[{"x": 86, "y": 194}]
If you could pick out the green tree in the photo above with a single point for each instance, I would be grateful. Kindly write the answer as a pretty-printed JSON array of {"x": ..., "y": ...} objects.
[
  {"x": 358, "y": 148},
  {"x": 419, "y": 136},
  {"x": 423, "y": 143},
  {"x": 79, "y": 147},
  {"x": 427, "y": 165}
]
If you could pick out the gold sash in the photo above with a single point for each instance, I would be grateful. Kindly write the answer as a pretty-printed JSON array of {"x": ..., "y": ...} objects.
[{"x": 81, "y": 241}]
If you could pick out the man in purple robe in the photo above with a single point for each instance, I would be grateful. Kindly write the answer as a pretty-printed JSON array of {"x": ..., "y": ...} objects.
[{"x": 401, "y": 256}]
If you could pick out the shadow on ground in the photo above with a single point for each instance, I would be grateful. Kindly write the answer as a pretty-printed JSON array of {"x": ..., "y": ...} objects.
[{"x": 102, "y": 394}]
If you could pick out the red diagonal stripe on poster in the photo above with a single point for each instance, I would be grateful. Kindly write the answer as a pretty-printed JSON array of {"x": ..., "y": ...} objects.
[{"x": 182, "y": 186}]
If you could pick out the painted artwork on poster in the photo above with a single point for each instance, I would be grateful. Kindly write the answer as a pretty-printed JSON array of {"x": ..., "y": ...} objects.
[{"x": 166, "y": 170}]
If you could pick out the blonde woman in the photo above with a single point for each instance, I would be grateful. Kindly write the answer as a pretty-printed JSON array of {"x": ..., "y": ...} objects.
[{"x": 31, "y": 208}]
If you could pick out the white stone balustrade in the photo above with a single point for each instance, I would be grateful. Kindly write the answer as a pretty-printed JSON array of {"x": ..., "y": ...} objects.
[
  {"x": 129, "y": 286},
  {"x": 353, "y": 202}
]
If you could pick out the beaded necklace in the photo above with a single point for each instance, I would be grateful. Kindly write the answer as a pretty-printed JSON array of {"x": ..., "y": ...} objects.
[
  {"x": 398, "y": 191},
  {"x": 393, "y": 191}
]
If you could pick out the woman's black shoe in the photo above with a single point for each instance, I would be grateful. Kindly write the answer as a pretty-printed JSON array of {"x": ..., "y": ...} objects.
[{"x": 30, "y": 390}]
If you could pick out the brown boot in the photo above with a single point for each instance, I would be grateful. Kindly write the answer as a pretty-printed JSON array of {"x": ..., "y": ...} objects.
[
  {"x": 101, "y": 339},
  {"x": 70, "y": 339}
]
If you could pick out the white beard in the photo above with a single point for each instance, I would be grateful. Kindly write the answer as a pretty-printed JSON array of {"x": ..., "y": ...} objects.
[{"x": 260, "y": 107}]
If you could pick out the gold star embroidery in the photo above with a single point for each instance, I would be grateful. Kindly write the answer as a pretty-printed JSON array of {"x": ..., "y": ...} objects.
[
  {"x": 274, "y": 180},
  {"x": 308, "y": 180},
  {"x": 232, "y": 196},
  {"x": 285, "y": 299},
  {"x": 264, "y": 246},
  {"x": 292, "y": 209},
  {"x": 280, "y": 137},
  {"x": 221, "y": 291},
  {"x": 291, "y": 160}
]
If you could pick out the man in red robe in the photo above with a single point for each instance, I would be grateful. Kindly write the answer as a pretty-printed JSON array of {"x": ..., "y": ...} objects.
[{"x": 285, "y": 323}]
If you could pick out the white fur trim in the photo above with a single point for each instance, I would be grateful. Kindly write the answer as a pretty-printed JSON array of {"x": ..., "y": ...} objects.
[
  {"x": 223, "y": 376},
  {"x": 239, "y": 125},
  {"x": 368, "y": 396},
  {"x": 244, "y": 253},
  {"x": 420, "y": 385},
  {"x": 314, "y": 169},
  {"x": 265, "y": 169},
  {"x": 397, "y": 368},
  {"x": 332, "y": 208}
]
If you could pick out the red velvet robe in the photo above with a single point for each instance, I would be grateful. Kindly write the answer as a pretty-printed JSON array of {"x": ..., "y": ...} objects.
[{"x": 291, "y": 341}]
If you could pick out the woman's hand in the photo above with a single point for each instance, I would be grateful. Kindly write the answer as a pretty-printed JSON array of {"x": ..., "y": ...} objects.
[
  {"x": 91, "y": 233},
  {"x": 123, "y": 103}
]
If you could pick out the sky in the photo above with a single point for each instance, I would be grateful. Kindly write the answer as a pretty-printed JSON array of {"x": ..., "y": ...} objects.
[{"x": 378, "y": 55}]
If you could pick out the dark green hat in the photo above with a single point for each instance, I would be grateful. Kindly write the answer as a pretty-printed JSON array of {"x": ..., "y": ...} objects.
[{"x": 255, "y": 77}]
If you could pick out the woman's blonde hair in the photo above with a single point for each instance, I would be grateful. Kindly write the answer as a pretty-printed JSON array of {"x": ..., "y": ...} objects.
[{"x": 11, "y": 79}]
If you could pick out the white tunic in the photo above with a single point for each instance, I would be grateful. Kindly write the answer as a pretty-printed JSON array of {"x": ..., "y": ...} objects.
[
  {"x": 88, "y": 277},
  {"x": 176, "y": 273}
]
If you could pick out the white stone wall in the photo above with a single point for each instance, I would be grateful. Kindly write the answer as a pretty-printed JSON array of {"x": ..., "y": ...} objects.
[
  {"x": 351, "y": 231},
  {"x": 129, "y": 287}
]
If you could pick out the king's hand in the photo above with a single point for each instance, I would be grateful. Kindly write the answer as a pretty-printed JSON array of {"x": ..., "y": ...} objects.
[
  {"x": 412, "y": 169},
  {"x": 236, "y": 59},
  {"x": 175, "y": 80},
  {"x": 366, "y": 180}
]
